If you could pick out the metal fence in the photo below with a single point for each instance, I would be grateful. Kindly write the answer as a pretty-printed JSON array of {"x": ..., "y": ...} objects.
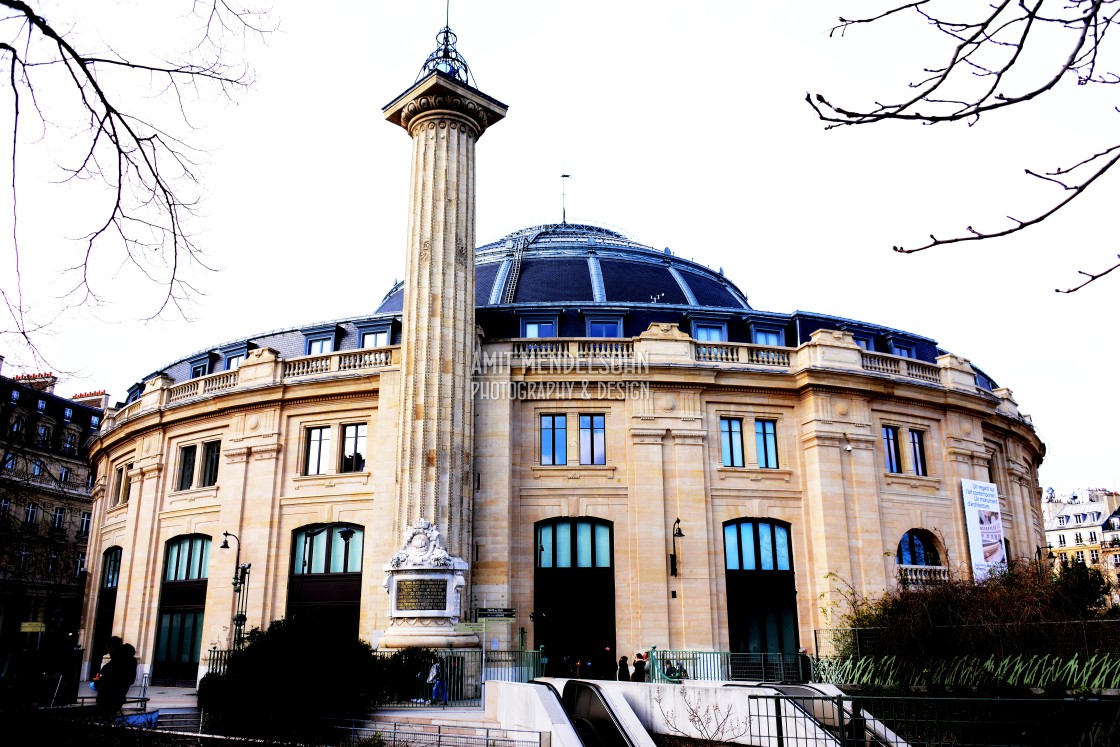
[
  {"x": 847, "y": 721},
  {"x": 463, "y": 674},
  {"x": 672, "y": 667},
  {"x": 432, "y": 735},
  {"x": 1080, "y": 637}
]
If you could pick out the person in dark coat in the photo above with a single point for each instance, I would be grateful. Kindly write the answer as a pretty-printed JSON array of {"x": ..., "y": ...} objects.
[
  {"x": 639, "y": 669},
  {"x": 623, "y": 670},
  {"x": 115, "y": 679}
]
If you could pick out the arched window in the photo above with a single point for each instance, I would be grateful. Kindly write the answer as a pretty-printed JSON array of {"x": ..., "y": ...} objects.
[
  {"x": 327, "y": 548},
  {"x": 110, "y": 568},
  {"x": 187, "y": 558},
  {"x": 918, "y": 547},
  {"x": 325, "y": 581},
  {"x": 761, "y": 591},
  {"x": 578, "y": 543}
]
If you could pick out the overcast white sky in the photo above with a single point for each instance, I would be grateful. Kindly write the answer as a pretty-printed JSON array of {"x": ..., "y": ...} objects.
[{"x": 682, "y": 125}]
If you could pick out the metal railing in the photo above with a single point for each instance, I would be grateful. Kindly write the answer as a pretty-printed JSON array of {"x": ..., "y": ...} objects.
[
  {"x": 463, "y": 673},
  {"x": 886, "y": 721},
  {"x": 674, "y": 666}
]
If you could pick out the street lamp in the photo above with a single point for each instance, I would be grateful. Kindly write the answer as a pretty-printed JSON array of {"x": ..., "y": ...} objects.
[
  {"x": 240, "y": 587},
  {"x": 677, "y": 533}
]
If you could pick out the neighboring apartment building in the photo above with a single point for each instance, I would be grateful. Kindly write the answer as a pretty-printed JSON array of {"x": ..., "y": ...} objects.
[
  {"x": 1084, "y": 526},
  {"x": 45, "y": 520}
]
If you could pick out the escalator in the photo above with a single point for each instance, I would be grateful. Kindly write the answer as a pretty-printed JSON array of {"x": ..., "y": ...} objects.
[{"x": 594, "y": 720}]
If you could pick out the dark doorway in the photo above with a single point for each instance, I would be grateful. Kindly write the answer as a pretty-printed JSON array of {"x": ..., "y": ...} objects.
[
  {"x": 325, "y": 585},
  {"x": 761, "y": 590},
  {"x": 106, "y": 605},
  {"x": 573, "y": 593},
  {"x": 182, "y": 600}
]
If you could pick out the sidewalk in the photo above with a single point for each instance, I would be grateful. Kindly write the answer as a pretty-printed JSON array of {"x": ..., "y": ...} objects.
[{"x": 159, "y": 697}]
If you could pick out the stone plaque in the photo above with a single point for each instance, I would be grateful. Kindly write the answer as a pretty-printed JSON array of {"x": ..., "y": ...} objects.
[{"x": 422, "y": 594}]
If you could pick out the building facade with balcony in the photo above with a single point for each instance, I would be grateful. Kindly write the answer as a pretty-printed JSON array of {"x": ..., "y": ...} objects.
[
  {"x": 46, "y": 518},
  {"x": 655, "y": 462},
  {"x": 1083, "y": 526}
]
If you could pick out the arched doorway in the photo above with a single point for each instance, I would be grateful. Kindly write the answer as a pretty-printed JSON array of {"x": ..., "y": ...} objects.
[
  {"x": 325, "y": 583},
  {"x": 106, "y": 604},
  {"x": 573, "y": 595},
  {"x": 761, "y": 589},
  {"x": 182, "y": 601}
]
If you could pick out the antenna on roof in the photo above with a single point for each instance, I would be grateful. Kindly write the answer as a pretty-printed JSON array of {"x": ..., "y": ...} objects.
[{"x": 564, "y": 198}]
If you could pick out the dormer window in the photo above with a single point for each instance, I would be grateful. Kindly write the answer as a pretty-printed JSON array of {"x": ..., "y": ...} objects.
[
  {"x": 709, "y": 332},
  {"x": 537, "y": 327},
  {"x": 321, "y": 340},
  {"x": 765, "y": 334},
  {"x": 41, "y": 406},
  {"x": 604, "y": 326},
  {"x": 375, "y": 334}
]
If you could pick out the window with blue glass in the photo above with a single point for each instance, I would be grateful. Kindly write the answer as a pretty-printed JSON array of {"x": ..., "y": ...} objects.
[
  {"x": 327, "y": 549},
  {"x": 592, "y": 439},
  {"x": 766, "y": 443},
  {"x": 891, "y": 454},
  {"x": 731, "y": 441},
  {"x": 604, "y": 327},
  {"x": 918, "y": 547},
  {"x": 709, "y": 332},
  {"x": 554, "y": 439},
  {"x": 578, "y": 543},
  {"x": 536, "y": 327},
  {"x": 187, "y": 558},
  {"x": 763, "y": 335},
  {"x": 918, "y": 453},
  {"x": 761, "y": 590}
]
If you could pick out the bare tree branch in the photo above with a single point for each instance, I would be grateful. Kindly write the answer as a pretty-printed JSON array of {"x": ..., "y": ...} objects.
[
  {"x": 984, "y": 72},
  {"x": 151, "y": 175}
]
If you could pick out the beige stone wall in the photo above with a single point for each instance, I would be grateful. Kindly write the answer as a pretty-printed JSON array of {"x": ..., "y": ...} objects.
[{"x": 847, "y": 513}]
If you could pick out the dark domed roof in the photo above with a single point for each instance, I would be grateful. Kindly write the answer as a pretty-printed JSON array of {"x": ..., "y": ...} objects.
[{"x": 566, "y": 263}]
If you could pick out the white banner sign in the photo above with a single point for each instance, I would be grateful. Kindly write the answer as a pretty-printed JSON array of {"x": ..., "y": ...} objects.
[{"x": 984, "y": 525}]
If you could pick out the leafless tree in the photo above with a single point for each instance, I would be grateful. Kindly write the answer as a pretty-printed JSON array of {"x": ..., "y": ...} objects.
[
  {"x": 149, "y": 174},
  {"x": 710, "y": 724},
  {"x": 999, "y": 54}
]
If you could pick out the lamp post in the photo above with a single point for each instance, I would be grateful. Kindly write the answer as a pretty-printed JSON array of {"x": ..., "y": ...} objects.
[
  {"x": 677, "y": 533},
  {"x": 240, "y": 585}
]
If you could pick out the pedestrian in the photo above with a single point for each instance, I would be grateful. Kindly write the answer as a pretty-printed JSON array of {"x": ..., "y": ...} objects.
[
  {"x": 114, "y": 680},
  {"x": 623, "y": 670},
  {"x": 639, "y": 669},
  {"x": 435, "y": 679}
]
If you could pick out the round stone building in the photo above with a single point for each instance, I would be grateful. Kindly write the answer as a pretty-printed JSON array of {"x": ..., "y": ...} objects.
[{"x": 643, "y": 459}]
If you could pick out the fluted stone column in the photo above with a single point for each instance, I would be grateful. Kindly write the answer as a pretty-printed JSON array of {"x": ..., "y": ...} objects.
[{"x": 435, "y": 432}]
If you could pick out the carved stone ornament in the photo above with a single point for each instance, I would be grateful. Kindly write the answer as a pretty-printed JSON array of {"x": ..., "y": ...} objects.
[{"x": 422, "y": 548}]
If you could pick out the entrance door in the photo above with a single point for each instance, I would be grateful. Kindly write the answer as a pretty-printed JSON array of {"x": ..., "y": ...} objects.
[
  {"x": 106, "y": 606},
  {"x": 573, "y": 597},
  {"x": 761, "y": 590},
  {"x": 325, "y": 584},
  {"x": 182, "y": 600}
]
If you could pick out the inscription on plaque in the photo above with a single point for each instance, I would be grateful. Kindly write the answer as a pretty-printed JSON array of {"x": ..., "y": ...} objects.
[{"x": 422, "y": 594}]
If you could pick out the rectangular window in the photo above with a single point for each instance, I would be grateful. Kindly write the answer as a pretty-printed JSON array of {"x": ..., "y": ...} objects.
[
  {"x": 903, "y": 351},
  {"x": 1092, "y": 538},
  {"x": 43, "y": 435},
  {"x": 890, "y": 449},
  {"x": 592, "y": 439},
  {"x": 766, "y": 442},
  {"x": 94, "y": 422},
  {"x": 200, "y": 369},
  {"x": 10, "y": 461},
  {"x": 187, "y": 456},
  {"x": 378, "y": 339},
  {"x": 1079, "y": 557},
  {"x": 863, "y": 342},
  {"x": 767, "y": 337},
  {"x": 353, "y": 448},
  {"x": 59, "y": 520},
  {"x": 32, "y": 514},
  {"x": 1078, "y": 539},
  {"x": 319, "y": 346},
  {"x": 81, "y": 565},
  {"x": 64, "y": 474},
  {"x": 709, "y": 333},
  {"x": 42, "y": 405},
  {"x": 37, "y": 467},
  {"x": 1062, "y": 521},
  {"x": 1061, "y": 540},
  {"x": 70, "y": 443},
  {"x": 1094, "y": 556},
  {"x": 918, "y": 453},
  {"x": 318, "y": 451},
  {"x": 540, "y": 329},
  {"x": 83, "y": 525},
  {"x": 5, "y": 506},
  {"x": 67, "y": 413},
  {"x": 211, "y": 458},
  {"x": 234, "y": 362},
  {"x": 604, "y": 328},
  {"x": 731, "y": 441},
  {"x": 15, "y": 396},
  {"x": 1116, "y": 561},
  {"x": 554, "y": 439}
]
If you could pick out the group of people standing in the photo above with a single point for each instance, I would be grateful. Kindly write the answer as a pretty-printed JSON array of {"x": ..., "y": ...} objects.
[
  {"x": 115, "y": 678},
  {"x": 641, "y": 661}
]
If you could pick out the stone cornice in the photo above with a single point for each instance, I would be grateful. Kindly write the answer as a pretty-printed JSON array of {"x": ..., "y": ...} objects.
[
  {"x": 443, "y": 98},
  {"x": 648, "y": 435}
]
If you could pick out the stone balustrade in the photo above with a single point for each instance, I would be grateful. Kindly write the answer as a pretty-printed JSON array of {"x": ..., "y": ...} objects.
[
  {"x": 262, "y": 367},
  {"x": 897, "y": 366},
  {"x": 922, "y": 575}
]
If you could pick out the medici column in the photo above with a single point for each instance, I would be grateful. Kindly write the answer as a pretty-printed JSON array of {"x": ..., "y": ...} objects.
[{"x": 445, "y": 116}]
